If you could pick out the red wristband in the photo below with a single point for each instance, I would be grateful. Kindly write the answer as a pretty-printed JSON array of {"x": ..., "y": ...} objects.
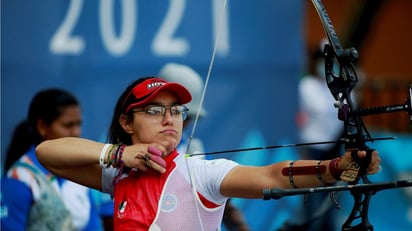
[{"x": 334, "y": 169}]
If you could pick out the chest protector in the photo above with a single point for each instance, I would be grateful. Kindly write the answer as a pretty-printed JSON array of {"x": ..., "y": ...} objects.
[{"x": 155, "y": 202}]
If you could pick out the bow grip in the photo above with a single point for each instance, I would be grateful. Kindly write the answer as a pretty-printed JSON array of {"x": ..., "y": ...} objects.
[{"x": 358, "y": 167}]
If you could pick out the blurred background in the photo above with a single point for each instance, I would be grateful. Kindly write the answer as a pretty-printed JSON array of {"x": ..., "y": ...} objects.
[{"x": 96, "y": 48}]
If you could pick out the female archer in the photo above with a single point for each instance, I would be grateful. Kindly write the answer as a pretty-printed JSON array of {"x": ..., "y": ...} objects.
[{"x": 155, "y": 187}]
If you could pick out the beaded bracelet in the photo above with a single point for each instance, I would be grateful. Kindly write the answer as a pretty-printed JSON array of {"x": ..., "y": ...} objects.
[
  {"x": 290, "y": 173},
  {"x": 116, "y": 160},
  {"x": 119, "y": 154},
  {"x": 319, "y": 173},
  {"x": 113, "y": 155},
  {"x": 119, "y": 163},
  {"x": 109, "y": 160}
]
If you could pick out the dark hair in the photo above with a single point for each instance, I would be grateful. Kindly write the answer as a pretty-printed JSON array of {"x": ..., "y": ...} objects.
[
  {"x": 47, "y": 105},
  {"x": 116, "y": 133}
]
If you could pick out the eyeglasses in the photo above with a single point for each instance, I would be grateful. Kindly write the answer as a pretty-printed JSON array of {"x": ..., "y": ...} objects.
[{"x": 160, "y": 110}]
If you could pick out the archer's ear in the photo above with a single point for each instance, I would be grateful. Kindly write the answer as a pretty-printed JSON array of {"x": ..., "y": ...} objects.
[
  {"x": 126, "y": 123},
  {"x": 41, "y": 128}
]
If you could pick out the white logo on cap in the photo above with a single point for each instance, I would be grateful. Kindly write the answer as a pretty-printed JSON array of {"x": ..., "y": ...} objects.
[{"x": 155, "y": 84}]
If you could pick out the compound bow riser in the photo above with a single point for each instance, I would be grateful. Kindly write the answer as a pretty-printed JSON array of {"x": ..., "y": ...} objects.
[{"x": 341, "y": 78}]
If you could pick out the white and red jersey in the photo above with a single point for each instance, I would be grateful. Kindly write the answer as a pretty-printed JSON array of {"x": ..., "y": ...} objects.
[{"x": 155, "y": 201}]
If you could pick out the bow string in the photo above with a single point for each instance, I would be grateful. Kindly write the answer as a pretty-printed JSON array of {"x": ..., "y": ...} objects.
[{"x": 199, "y": 107}]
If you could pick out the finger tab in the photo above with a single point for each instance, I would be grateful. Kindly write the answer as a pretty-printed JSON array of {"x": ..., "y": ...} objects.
[
  {"x": 159, "y": 160},
  {"x": 155, "y": 151}
]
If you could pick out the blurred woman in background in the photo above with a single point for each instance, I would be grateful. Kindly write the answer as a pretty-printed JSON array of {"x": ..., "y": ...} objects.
[{"x": 32, "y": 198}]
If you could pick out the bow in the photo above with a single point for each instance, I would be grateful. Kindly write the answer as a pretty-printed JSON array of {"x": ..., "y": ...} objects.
[{"x": 341, "y": 79}]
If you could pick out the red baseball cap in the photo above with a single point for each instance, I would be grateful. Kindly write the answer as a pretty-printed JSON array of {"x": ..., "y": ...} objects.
[{"x": 149, "y": 88}]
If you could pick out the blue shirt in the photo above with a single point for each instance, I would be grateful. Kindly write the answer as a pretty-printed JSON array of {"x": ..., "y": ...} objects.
[{"x": 17, "y": 199}]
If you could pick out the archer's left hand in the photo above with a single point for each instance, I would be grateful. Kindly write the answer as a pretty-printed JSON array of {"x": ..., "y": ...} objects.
[{"x": 373, "y": 167}]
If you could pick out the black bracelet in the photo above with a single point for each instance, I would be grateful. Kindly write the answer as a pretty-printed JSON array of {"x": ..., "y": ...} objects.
[
  {"x": 319, "y": 174},
  {"x": 290, "y": 173}
]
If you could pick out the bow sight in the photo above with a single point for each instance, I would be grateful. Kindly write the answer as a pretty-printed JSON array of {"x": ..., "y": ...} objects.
[{"x": 341, "y": 78}]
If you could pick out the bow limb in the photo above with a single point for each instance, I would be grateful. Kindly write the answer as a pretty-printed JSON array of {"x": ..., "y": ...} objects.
[{"x": 211, "y": 63}]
